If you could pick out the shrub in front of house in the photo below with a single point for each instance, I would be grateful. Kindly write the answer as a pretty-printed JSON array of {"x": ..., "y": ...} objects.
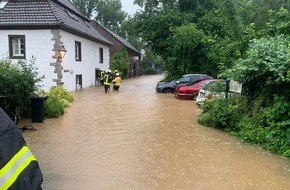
[
  {"x": 59, "y": 99},
  {"x": 17, "y": 86}
]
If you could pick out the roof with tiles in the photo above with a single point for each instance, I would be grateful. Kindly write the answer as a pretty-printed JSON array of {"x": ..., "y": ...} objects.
[
  {"x": 119, "y": 38},
  {"x": 48, "y": 14},
  {"x": 122, "y": 40}
]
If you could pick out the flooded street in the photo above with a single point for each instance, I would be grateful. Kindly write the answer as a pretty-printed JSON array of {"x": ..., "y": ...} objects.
[{"x": 137, "y": 139}]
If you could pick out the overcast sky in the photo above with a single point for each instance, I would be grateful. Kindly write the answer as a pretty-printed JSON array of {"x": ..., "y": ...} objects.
[{"x": 129, "y": 7}]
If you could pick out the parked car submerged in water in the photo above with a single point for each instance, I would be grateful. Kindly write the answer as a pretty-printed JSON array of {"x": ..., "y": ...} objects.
[
  {"x": 169, "y": 87},
  {"x": 191, "y": 90}
]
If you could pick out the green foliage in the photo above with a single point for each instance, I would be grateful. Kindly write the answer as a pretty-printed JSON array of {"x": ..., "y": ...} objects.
[
  {"x": 186, "y": 48},
  {"x": 58, "y": 100},
  {"x": 17, "y": 83},
  {"x": 54, "y": 107},
  {"x": 217, "y": 87},
  {"x": 279, "y": 23},
  {"x": 152, "y": 64},
  {"x": 120, "y": 62},
  {"x": 265, "y": 68},
  {"x": 268, "y": 127},
  {"x": 85, "y": 6},
  {"x": 109, "y": 14},
  {"x": 222, "y": 113}
]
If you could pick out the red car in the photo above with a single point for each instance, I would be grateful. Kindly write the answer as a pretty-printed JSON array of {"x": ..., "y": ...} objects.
[{"x": 190, "y": 91}]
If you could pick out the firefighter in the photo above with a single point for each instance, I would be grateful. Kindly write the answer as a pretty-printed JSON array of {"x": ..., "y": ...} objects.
[
  {"x": 117, "y": 82},
  {"x": 114, "y": 74},
  {"x": 102, "y": 74},
  {"x": 19, "y": 168},
  {"x": 107, "y": 81}
]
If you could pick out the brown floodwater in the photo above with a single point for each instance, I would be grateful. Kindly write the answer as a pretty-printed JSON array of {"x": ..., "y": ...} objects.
[{"x": 137, "y": 139}]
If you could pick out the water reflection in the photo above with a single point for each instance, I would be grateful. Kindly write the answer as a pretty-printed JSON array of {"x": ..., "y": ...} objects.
[{"x": 138, "y": 139}]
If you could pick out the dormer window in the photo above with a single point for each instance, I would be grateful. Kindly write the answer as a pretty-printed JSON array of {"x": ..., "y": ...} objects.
[
  {"x": 71, "y": 15},
  {"x": 3, "y": 3}
]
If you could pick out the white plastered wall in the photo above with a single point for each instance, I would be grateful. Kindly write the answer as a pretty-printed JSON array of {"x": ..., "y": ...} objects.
[{"x": 39, "y": 44}]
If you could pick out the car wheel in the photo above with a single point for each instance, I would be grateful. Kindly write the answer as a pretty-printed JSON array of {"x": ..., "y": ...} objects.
[
  {"x": 167, "y": 91},
  {"x": 194, "y": 96}
]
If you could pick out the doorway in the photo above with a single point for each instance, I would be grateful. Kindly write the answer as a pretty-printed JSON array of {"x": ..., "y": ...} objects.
[{"x": 79, "y": 82}]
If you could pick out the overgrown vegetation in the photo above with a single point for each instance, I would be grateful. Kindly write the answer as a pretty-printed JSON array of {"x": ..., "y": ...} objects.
[
  {"x": 120, "y": 62},
  {"x": 17, "y": 86},
  {"x": 59, "y": 99},
  {"x": 152, "y": 64},
  {"x": 19, "y": 83},
  {"x": 262, "y": 114}
]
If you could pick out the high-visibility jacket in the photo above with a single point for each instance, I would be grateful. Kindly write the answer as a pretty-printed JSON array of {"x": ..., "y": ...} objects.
[
  {"x": 108, "y": 79},
  {"x": 117, "y": 81},
  {"x": 19, "y": 169},
  {"x": 102, "y": 73}
]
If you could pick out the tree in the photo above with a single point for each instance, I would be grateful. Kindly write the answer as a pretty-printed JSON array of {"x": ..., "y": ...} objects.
[
  {"x": 186, "y": 49},
  {"x": 265, "y": 69},
  {"x": 152, "y": 64},
  {"x": 109, "y": 13},
  {"x": 120, "y": 62},
  {"x": 86, "y": 7}
]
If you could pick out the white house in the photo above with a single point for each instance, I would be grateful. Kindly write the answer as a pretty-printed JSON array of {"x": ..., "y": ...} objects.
[{"x": 39, "y": 29}]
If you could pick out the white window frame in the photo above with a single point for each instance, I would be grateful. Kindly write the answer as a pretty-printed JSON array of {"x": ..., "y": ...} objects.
[{"x": 17, "y": 46}]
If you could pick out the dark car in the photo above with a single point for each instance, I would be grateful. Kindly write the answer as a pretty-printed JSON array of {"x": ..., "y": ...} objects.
[{"x": 169, "y": 87}]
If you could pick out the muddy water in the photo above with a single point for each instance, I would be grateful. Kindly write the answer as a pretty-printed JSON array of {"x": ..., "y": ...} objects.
[{"x": 137, "y": 139}]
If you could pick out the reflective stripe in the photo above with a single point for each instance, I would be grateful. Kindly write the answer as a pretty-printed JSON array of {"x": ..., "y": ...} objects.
[
  {"x": 10, "y": 172},
  {"x": 102, "y": 75},
  {"x": 107, "y": 80}
]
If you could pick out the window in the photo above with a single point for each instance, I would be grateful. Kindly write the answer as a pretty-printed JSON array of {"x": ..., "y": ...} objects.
[
  {"x": 3, "y": 4},
  {"x": 71, "y": 15},
  {"x": 78, "y": 51},
  {"x": 101, "y": 55},
  {"x": 184, "y": 80},
  {"x": 16, "y": 46}
]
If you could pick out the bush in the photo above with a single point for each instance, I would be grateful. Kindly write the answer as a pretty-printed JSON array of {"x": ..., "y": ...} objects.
[
  {"x": 54, "y": 107},
  {"x": 267, "y": 126},
  {"x": 17, "y": 84},
  {"x": 58, "y": 100},
  {"x": 221, "y": 113}
]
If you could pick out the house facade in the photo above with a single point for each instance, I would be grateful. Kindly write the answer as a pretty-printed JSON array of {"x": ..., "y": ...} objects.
[
  {"x": 39, "y": 29},
  {"x": 119, "y": 42}
]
